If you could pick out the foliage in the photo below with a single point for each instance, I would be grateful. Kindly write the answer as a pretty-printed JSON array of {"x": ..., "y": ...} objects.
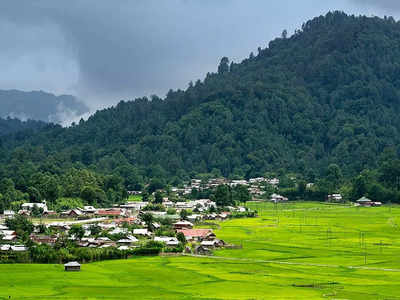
[
  {"x": 325, "y": 96},
  {"x": 21, "y": 225}
]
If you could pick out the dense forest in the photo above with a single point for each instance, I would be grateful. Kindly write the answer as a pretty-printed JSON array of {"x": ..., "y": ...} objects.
[
  {"x": 25, "y": 128},
  {"x": 327, "y": 95}
]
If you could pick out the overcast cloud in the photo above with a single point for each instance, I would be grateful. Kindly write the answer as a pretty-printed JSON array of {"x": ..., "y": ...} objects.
[{"x": 105, "y": 51}]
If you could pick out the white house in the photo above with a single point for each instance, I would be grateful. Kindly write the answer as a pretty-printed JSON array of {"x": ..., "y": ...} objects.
[
  {"x": 29, "y": 206},
  {"x": 278, "y": 198},
  {"x": 169, "y": 241}
]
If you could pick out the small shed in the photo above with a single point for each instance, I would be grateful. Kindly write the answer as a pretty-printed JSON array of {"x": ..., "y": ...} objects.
[
  {"x": 72, "y": 266},
  {"x": 364, "y": 201}
]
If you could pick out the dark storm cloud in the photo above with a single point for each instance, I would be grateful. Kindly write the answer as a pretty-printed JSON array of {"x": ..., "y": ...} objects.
[{"x": 105, "y": 51}]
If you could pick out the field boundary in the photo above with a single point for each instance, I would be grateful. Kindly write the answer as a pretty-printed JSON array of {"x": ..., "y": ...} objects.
[{"x": 293, "y": 263}]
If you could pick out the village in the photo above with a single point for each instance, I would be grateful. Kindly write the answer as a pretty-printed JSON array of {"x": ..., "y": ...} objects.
[
  {"x": 181, "y": 226},
  {"x": 132, "y": 224}
]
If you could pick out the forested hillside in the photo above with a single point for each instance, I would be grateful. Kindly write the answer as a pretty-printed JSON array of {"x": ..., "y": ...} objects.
[
  {"x": 328, "y": 94},
  {"x": 9, "y": 126}
]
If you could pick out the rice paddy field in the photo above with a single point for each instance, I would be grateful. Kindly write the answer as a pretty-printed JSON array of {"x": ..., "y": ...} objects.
[{"x": 291, "y": 251}]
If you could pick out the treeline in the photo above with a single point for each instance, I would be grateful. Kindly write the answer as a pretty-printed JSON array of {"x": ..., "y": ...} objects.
[
  {"x": 381, "y": 184},
  {"x": 326, "y": 95},
  {"x": 24, "y": 128},
  {"x": 62, "y": 190}
]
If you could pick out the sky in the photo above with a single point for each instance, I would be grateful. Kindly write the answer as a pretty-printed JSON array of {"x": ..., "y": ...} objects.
[{"x": 106, "y": 51}]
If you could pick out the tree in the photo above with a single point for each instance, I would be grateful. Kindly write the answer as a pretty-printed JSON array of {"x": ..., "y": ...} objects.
[
  {"x": 158, "y": 198},
  {"x": 51, "y": 190},
  {"x": 36, "y": 211},
  {"x": 241, "y": 194},
  {"x": 77, "y": 231},
  {"x": 34, "y": 195},
  {"x": 359, "y": 187},
  {"x": 181, "y": 238},
  {"x": 223, "y": 66},
  {"x": 334, "y": 177},
  {"x": 223, "y": 196},
  {"x": 148, "y": 219},
  {"x": 95, "y": 229},
  {"x": 184, "y": 214},
  {"x": 21, "y": 225},
  {"x": 390, "y": 173}
]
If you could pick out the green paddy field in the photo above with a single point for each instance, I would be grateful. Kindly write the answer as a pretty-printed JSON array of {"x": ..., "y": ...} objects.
[{"x": 292, "y": 251}]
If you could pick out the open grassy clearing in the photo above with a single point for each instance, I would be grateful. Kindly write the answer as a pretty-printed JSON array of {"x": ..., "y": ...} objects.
[
  {"x": 135, "y": 198},
  {"x": 292, "y": 251}
]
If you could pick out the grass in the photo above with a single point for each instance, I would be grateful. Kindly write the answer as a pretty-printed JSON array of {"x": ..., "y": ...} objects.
[
  {"x": 135, "y": 198},
  {"x": 292, "y": 251}
]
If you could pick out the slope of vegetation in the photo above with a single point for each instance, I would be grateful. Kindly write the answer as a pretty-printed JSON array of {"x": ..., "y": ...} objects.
[
  {"x": 11, "y": 126},
  {"x": 329, "y": 94}
]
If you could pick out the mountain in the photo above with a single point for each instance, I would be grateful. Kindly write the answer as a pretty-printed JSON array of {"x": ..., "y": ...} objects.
[
  {"x": 329, "y": 94},
  {"x": 39, "y": 105}
]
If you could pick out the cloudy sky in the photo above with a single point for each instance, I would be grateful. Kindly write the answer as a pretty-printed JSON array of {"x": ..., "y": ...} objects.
[{"x": 104, "y": 51}]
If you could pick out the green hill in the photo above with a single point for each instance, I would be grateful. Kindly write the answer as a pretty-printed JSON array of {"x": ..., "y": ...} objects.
[{"x": 327, "y": 94}]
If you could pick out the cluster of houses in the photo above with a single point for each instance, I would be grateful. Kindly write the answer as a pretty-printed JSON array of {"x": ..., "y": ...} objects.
[
  {"x": 9, "y": 240},
  {"x": 254, "y": 185},
  {"x": 363, "y": 201},
  {"x": 123, "y": 227}
]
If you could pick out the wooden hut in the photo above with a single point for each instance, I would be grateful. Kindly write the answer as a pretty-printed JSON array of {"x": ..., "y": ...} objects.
[{"x": 72, "y": 266}]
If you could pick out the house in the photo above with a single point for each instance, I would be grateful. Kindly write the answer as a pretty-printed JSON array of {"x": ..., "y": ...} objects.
[
  {"x": 24, "y": 212},
  {"x": 168, "y": 204},
  {"x": 49, "y": 213},
  {"x": 273, "y": 181},
  {"x": 209, "y": 244},
  {"x": 201, "y": 250},
  {"x": 132, "y": 239},
  {"x": 183, "y": 225},
  {"x": 9, "y": 214},
  {"x": 169, "y": 241},
  {"x": 29, "y": 206},
  {"x": 89, "y": 209},
  {"x": 9, "y": 238},
  {"x": 143, "y": 232},
  {"x": 119, "y": 230},
  {"x": 134, "y": 205},
  {"x": 43, "y": 239},
  {"x": 197, "y": 234},
  {"x": 18, "y": 248},
  {"x": 73, "y": 213},
  {"x": 130, "y": 220},
  {"x": 194, "y": 218},
  {"x": 123, "y": 248},
  {"x": 335, "y": 198},
  {"x": 364, "y": 201},
  {"x": 109, "y": 212},
  {"x": 278, "y": 198},
  {"x": 5, "y": 247},
  {"x": 60, "y": 226},
  {"x": 72, "y": 266}
]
